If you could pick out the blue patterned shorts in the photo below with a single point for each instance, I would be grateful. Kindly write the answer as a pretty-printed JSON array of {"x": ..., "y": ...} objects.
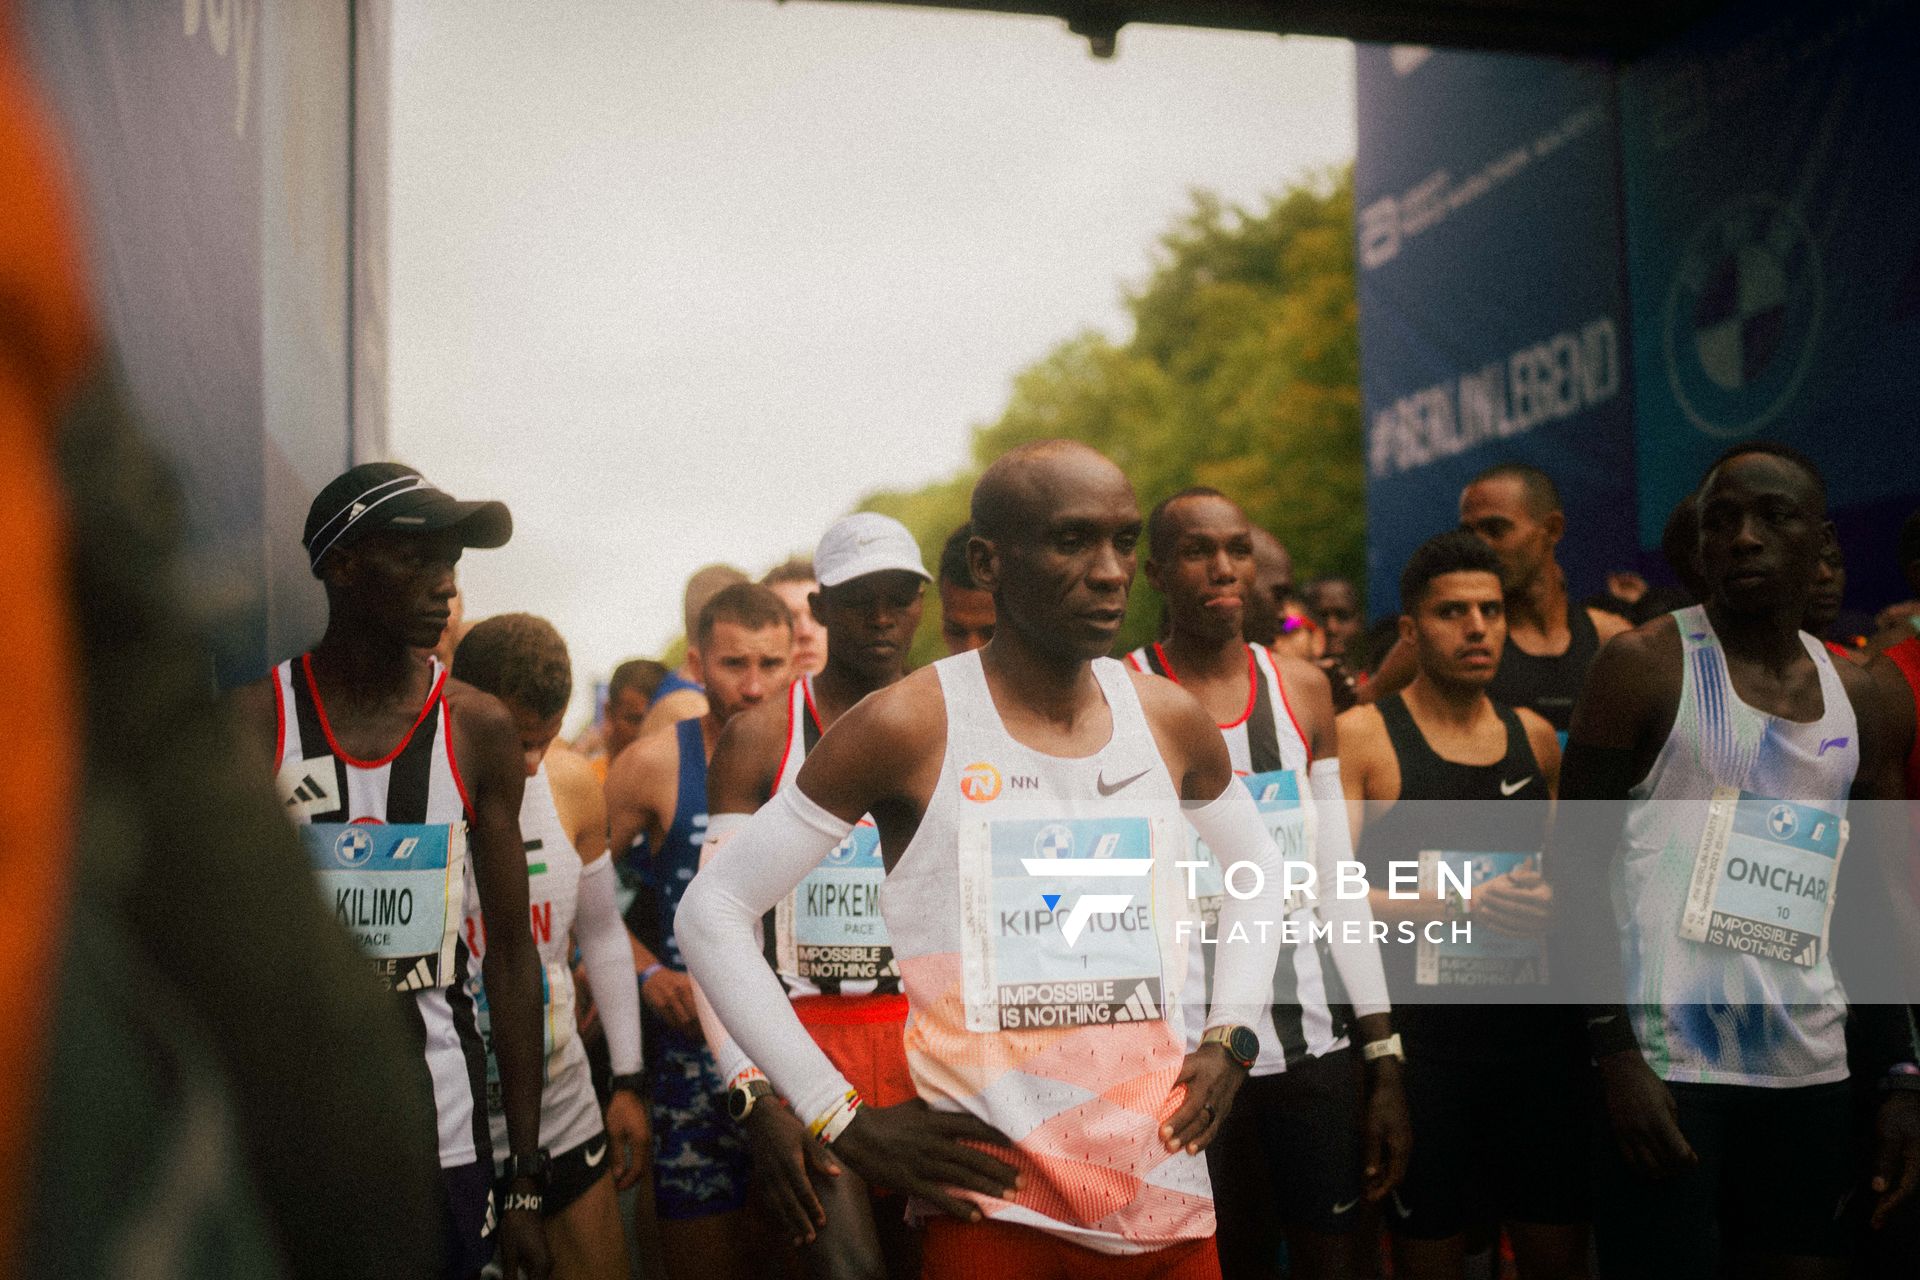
[{"x": 700, "y": 1160}]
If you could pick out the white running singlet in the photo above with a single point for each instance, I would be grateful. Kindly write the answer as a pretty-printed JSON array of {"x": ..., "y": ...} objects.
[
  {"x": 1270, "y": 755},
  {"x": 1047, "y": 999},
  {"x": 416, "y": 783},
  {"x": 569, "y": 1111},
  {"x": 1720, "y": 1014},
  {"x": 827, "y": 937}
]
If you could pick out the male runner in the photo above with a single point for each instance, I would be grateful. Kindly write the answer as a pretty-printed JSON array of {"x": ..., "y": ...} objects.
[
  {"x": 1442, "y": 773},
  {"x": 657, "y": 792},
  {"x": 1299, "y": 1149},
  {"x": 1515, "y": 509},
  {"x": 1725, "y": 1072},
  {"x": 680, "y": 696},
  {"x": 366, "y": 731},
  {"x": 1059, "y": 1120},
  {"x": 794, "y": 583},
  {"x": 521, "y": 660},
  {"x": 826, "y": 940},
  {"x": 1334, "y": 606},
  {"x": 966, "y": 612},
  {"x": 631, "y": 691}
]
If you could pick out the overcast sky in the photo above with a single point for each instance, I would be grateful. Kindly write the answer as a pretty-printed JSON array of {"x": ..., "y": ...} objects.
[{"x": 681, "y": 279}]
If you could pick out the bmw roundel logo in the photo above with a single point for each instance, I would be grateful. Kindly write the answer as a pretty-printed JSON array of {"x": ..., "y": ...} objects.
[
  {"x": 843, "y": 853},
  {"x": 1782, "y": 821},
  {"x": 1743, "y": 316},
  {"x": 353, "y": 846},
  {"x": 1054, "y": 841}
]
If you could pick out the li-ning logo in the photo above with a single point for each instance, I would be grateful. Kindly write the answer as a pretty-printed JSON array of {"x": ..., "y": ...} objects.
[
  {"x": 1830, "y": 742},
  {"x": 1053, "y": 849},
  {"x": 980, "y": 782}
]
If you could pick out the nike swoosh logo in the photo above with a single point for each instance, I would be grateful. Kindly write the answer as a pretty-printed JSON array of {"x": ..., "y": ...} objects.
[
  {"x": 1508, "y": 788},
  {"x": 1400, "y": 1207},
  {"x": 1827, "y": 744},
  {"x": 1106, "y": 788},
  {"x": 1342, "y": 1208},
  {"x": 593, "y": 1157}
]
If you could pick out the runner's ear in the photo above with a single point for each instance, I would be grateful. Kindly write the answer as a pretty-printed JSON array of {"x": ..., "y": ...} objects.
[{"x": 983, "y": 562}]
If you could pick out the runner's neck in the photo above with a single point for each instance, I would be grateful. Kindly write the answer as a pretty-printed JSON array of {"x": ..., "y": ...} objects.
[
  {"x": 1541, "y": 605},
  {"x": 1201, "y": 660},
  {"x": 1771, "y": 639},
  {"x": 1445, "y": 706},
  {"x": 836, "y": 689},
  {"x": 366, "y": 669},
  {"x": 1058, "y": 692}
]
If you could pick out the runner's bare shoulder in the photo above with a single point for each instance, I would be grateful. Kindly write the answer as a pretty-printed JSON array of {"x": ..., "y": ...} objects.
[
  {"x": 747, "y": 757},
  {"x": 1186, "y": 734},
  {"x": 1634, "y": 683},
  {"x": 889, "y": 744}
]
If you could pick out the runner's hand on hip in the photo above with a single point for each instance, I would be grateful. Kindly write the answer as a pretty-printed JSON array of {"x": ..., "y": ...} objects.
[
  {"x": 1646, "y": 1123},
  {"x": 1210, "y": 1080},
  {"x": 782, "y": 1153},
  {"x": 926, "y": 1153}
]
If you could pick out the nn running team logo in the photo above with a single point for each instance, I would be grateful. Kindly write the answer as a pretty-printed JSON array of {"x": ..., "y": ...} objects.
[
  {"x": 1055, "y": 856},
  {"x": 980, "y": 782}
]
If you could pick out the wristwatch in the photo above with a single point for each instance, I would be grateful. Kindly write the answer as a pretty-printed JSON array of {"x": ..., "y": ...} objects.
[
  {"x": 743, "y": 1097},
  {"x": 536, "y": 1167},
  {"x": 1240, "y": 1043},
  {"x": 1901, "y": 1077},
  {"x": 634, "y": 1082},
  {"x": 1387, "y": 1048}
]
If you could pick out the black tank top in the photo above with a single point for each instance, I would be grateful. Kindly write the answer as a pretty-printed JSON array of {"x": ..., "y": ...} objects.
[
  {"x": 1452, "y": 1022},
  {"x": 1548, "y": 686}
]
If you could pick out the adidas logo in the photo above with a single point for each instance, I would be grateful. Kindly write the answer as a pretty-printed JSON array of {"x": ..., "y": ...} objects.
[
  {"x": 419, "y": 978},
  {"x": 1140, "y": 1006},
  {"x": 309, "y": 790}
]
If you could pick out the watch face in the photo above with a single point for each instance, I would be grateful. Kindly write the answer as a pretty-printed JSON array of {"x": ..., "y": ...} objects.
[
  {"x": 1244, "y": 1045},
  {"x": 739, "y": 1102}
]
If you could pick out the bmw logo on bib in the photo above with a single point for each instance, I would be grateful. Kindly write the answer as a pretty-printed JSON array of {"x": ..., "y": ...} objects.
[
  {"x": 1053, "y": 841},
  {"x": 1782, "y": 821},
  {"x": 1743, "y": 316},
  {"x": 353, "y": 846}
]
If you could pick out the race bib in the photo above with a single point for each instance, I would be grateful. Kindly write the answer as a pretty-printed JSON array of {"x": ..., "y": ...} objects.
[
  {"x": 1059, "y": 922},
  {"x": 829, "y": 927},
  {"x": 1276, "y": 794},
  {"x": 1763, "y": 877},
  {"x": 1490, "y": 959},
  {"x": 399, "y": 889}
]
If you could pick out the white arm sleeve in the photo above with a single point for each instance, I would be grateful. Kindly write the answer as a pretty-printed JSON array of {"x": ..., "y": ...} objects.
[
  {"x": 608, "y": 959},
  {"x": 727, "y": 1056},
  {"x": 1243, "y": 969},
  {"x": 1355, "y": 954},
  {"x": 761, "y": 864}
]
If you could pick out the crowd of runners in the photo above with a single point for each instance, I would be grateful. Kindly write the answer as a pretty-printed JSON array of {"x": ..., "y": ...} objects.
[{"x": 1029, "y": 962}]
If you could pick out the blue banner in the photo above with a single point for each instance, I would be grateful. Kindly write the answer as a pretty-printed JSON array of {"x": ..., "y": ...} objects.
[
  {"x": 1492, "y": 307},
  {"x": 1772, "y": 184}
]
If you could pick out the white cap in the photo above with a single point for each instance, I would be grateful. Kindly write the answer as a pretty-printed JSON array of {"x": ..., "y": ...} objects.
[{"x": 863, "y": 543}]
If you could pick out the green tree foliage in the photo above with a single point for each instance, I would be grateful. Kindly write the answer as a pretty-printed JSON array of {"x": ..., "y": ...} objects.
[{"x": 1243, "y": 372}]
